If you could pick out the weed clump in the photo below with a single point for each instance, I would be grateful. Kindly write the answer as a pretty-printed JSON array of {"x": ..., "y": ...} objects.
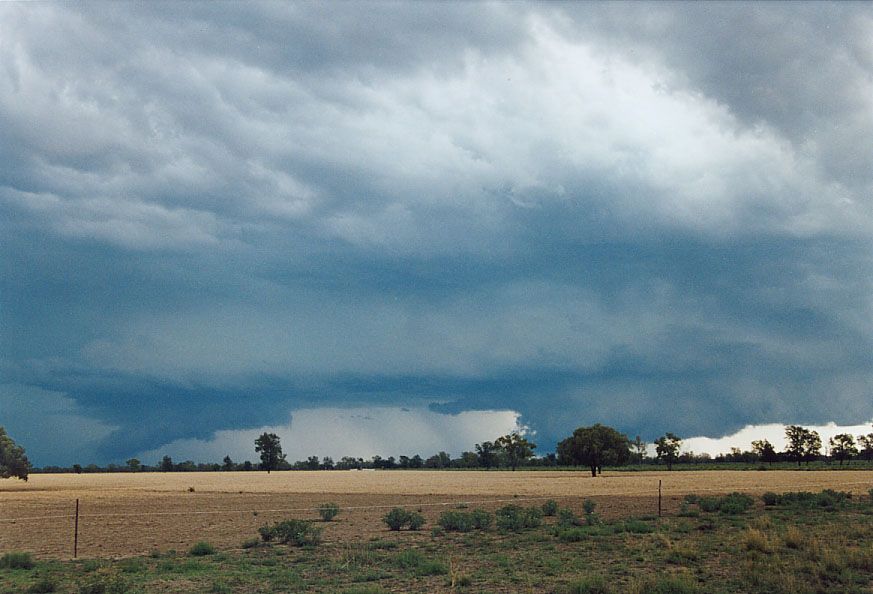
[
  {"x": 456, "y": 521},
  {"x": 516, "y": 518},
  {"x": 328, "y": 511},
  {"x": 201, "y": 549},
  {"x": 550, "y": 508},
  {"x": 731, "y": 504},
  {"x": 398, "y": 517},
  {"x": 589, "y": 585},
  {"x": 16, "y": 560},
  {"x": 43, "y": 585},
  {"x": 296, "y": 532},
  {"x": 827, "y": 499}
]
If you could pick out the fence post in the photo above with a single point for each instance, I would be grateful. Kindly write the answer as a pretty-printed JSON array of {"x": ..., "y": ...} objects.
[
  {"x": 659, "y": 498},
  {"x": 76, "y": 532}
]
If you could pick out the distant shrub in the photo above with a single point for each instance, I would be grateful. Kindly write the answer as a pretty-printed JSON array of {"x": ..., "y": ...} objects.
[
  {"x": 691, "y": 498},
  {"x": 827, "y": 499},
  {"x": 550, "y": 508},
  {"x": 516, "y": 518},
  {"x": 687, "y": 512},
  {"x": 588, "y": 507},
  {"x": 731, "y": 504},
  {"x": 417, "y": 564},
  {"x": 43, "y": 585},
  {"x": 635, "y": 526},
  {"x": 456, "y": 521},
  {"x": 770, "y": 498},
  {"x": 398, "y": 517},
  {"x": 266, "y": 533},
  {"x": 328, "y": 511},
  {"x": 201, "y": 549},
  {"x": 297, "y": 532},
  {"x": 105, "y": 584},
  {"x": 566, "y": 518},
  {"x": 250, "y": 543},
  {"x": 735, "y": 503},
  {"x": 665, "y": 584},
  {"x": 755, "y": 540},
  {"x": 590, "y": 585},
  {"x": 16, "y": 560}
]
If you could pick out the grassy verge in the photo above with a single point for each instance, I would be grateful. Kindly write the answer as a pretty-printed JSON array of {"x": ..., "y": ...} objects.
[{"x": 712, "y": 546}]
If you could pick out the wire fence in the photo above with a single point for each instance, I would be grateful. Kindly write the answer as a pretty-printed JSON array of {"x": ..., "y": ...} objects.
[{"x": 650, "y": 493}]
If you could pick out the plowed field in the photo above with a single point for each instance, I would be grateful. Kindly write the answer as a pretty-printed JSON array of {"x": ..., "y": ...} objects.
[{"x": 128, "y": 514}]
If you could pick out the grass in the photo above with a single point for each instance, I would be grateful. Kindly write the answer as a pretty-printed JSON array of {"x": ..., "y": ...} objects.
[{"x": 785, "y": 548}]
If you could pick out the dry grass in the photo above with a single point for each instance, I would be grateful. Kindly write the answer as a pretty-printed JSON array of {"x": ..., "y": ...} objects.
[{"x": 125, "y": 514}]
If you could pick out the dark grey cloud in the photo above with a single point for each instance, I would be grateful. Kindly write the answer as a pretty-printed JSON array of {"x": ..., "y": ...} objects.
[{"x": 652, "y": 215}]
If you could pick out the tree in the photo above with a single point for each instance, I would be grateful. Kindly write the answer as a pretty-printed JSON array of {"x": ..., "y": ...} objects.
[
  {"x": 765, "y": 451},
  {"x": 803, "y": 444},
  {"x": 866, "y": 443},
  {"x": 271, "y": 451},
  {"x": 487, "y": 453},
  {"x": 13, "y": 462},
  {"x": 134, "y": 465},
  {"x": 842, "y": 447},
  {"x": 166, "y": 464},
  {"x": 227, "y": 463},
  {"x": 640, "y": 448},
  {"x": 517, "y": 448},
  {"x": 594, "y": 447},
  {"x": 667, "y": 448}
]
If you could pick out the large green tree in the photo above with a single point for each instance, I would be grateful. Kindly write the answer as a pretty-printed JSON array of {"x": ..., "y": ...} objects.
[
  {"x": 268, "y": 446},
  {"x": 487, "y": 453},
  {"x": 516, "y": 448},
  {"x": 594, "y": 447},
  {"x": 13, "y": 462},
  {"x": 667, "y": 448},
  {"x": 843, "y": 447},
  {"x": 803, "y": 444}
]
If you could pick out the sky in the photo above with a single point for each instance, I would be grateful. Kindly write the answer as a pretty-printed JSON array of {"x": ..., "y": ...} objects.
[{"x": 418, "y": 226}]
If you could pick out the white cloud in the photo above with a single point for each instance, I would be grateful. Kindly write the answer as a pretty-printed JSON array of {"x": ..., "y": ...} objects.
[
  {"x": 360, "y": 432},
  {"x": 774, "y": 433}
]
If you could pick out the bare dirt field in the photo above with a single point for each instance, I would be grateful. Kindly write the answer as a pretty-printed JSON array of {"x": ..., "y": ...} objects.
[{"x": 128, "y": 514}]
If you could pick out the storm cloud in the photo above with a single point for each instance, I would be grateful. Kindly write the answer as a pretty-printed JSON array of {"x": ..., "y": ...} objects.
[{"x": 656, "y": 216}]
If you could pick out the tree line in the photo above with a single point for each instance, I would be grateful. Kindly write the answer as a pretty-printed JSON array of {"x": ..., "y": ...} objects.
[{"x": 592, "y": 447}]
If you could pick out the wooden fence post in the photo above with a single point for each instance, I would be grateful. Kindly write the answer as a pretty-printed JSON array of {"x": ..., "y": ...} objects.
[
  {"x": 659, "y": 498},
  {"x": 76, "y": 532}
]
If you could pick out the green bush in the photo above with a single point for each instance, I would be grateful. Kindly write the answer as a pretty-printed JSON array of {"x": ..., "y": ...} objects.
[
  {"x": 735, "y": 503},
  {"x": 691, "y": 498},
  {"x": 731, "y": 504},
  {"x": 105, "y": 584},
  {"x": 770, "y": 498},
  {"x": 250, "y": 543},
  {"x": 297, "y": 532},
  {"x": 43, "y": 585},
  {"x": 398, "y": 517},
  {"x": 635, "y": 526},
  {"x": 590, "y": 585},
  {"x": 266, "y": 533},
  {"x": 588, "y": 506},
  {"x": 550, "y": 508},
  {"x": 456, "y": 521},
  {"x": 201, "y": 549},
  {"x": 328, "y": 511},
  {"x": 566, "y": 518},
  {"x": 516, "y": 518},
  {"x": 16, "y": 560},
  {"x": 419, "y": 565},
  {"x": 675, "y": 584}
]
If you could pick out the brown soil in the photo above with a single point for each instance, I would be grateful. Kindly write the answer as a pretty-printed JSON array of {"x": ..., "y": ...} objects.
[{"x": 129, "y": 514}]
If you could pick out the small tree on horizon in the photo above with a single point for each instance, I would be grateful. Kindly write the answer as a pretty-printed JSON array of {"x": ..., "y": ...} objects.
[
  {"x": 134, "y": 465},
  {"x": 667, "y": 448},
  {"x": 268, "y": 446},
  {"x": 842, "y": 447},
  {"x": 866, "y": 444},
  {"x": 166, "y": 464},
  {"x": 765, "y": 450},
  {"x": 517, "y": 448},
  {"x": 487, "y": 453}
]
